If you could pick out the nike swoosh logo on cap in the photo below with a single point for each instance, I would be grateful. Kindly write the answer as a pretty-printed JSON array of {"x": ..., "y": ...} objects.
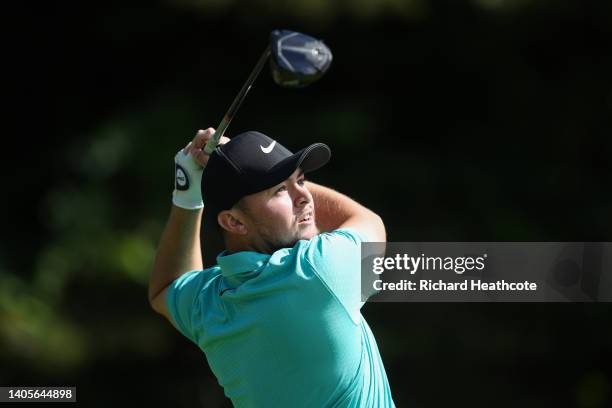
[{"x": 268, "y": 149}]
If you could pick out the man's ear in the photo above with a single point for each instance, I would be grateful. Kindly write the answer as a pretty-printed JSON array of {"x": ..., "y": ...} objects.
[{"x": 231, "y": 221}]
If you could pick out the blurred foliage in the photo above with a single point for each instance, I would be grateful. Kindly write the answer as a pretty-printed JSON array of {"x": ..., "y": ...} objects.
[
  {"x": 34, "y": 331},
  {"x": 455, "y": 120},
  {"x": 311, "y": 11}
]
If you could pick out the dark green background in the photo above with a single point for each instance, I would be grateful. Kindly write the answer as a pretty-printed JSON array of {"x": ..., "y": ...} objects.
[{"x": 459, "y": 120}]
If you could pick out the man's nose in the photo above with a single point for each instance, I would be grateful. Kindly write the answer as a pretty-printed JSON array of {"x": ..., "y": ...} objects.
[{"x": 301, "y": 197}]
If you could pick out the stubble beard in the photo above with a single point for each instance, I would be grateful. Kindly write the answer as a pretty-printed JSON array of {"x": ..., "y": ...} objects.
[{"x": 273, "y": 243}]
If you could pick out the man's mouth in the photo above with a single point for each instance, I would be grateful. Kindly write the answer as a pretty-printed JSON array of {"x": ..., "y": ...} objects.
[{"x": 307, "y": 217}]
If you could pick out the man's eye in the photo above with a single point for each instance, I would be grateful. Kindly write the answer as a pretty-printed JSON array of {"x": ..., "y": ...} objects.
[
  {"x": 281, "y": 189},
  {"x": 301, "y": 181}
]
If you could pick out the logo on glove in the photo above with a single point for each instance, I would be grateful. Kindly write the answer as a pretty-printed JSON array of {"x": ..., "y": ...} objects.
[{"x": 182, "y": 181}]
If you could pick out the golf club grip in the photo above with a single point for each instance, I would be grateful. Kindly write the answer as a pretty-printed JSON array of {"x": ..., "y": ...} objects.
[
  {"x": 229, "y": 115},
  {"x": 214, "y": 140}
]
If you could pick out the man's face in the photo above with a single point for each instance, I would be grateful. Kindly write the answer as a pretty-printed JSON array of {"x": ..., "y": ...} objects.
[{"x": 280, "y": 216}]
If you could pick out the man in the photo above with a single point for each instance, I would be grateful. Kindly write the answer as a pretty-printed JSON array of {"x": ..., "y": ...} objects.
[{"x": 279, "y": 317}]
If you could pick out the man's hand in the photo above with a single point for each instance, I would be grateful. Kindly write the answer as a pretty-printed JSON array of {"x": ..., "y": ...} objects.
[
  {"x": 196, "y": 146},
  {"x": 189, "y": 164}
]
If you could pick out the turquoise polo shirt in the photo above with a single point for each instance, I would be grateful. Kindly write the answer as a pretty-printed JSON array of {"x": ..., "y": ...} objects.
[{"x": 285, "y": 330}]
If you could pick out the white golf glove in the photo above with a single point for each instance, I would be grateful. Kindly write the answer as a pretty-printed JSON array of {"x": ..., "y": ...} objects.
[{"x": 187, "y": 179}]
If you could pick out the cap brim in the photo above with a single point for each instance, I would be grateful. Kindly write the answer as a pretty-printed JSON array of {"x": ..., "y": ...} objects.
[{"x": 308, "y": 159}]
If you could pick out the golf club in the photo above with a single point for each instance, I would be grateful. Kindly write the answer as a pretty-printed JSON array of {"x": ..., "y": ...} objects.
[{"x": 297, "y": 60}]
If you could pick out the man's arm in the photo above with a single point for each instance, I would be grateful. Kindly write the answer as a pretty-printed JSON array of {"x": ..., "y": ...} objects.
[
  {"x": 178, "y": 252},
  {"x": 335, "y": 210},
  {"x": 179, "y": 248}
]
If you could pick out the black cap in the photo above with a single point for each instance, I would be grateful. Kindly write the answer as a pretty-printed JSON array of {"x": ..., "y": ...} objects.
[{"x": 249, "y": 163}]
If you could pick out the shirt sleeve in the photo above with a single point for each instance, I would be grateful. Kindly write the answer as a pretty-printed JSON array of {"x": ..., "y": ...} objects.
[
  {"x": 183, "y": 297},
  {"x": 336, "y": 258}
]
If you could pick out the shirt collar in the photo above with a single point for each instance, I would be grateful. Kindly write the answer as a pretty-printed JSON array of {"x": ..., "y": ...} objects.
[{"x": 240, "y": 262}]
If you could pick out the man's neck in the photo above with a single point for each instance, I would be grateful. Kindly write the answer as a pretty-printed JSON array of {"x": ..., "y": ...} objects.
[{"x": 233, "y": 245}]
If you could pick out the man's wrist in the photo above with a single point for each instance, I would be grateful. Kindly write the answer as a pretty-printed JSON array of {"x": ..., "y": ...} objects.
[
  {"x": 187, "y": 200},
  {"x": 186, "y": 210}
]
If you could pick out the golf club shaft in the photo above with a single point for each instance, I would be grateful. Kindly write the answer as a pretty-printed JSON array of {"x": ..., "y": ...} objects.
[{"x": 231, "y": 112}]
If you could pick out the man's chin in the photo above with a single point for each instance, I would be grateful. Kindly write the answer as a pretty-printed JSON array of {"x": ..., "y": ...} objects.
[
  {"x": 309, "y": 232},
  {"x": 305, "y": 234}
]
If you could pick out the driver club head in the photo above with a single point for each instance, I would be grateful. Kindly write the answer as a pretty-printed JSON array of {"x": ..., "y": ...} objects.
[{"x": 297, "y": 60}]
